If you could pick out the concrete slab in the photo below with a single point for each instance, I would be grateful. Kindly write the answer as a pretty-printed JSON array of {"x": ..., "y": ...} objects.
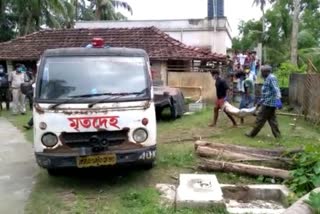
[
  {"x": 17, "y": 169},
  {"x": 198, "y": 190},
  {"x": 255, "y": 199}
]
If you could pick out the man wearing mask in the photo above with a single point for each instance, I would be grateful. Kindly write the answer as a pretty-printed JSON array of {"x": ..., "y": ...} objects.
[
  {"x": 270, "y": 101},
  {"x": 16, "y": 78},
  {"x": 26, "y": 87}
]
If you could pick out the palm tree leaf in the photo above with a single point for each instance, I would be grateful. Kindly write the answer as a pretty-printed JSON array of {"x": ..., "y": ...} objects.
[
  {"x": 262, "y": 4},
  {"x": 122, "y": 4}
]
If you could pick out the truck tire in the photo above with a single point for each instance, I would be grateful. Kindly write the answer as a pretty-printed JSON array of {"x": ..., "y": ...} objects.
[
  {"x": 173, "y": 110},
  {"x": 159, "y": 113},
  {"x": 54, "y": 172},
  {"x": 149, "y": 165}
]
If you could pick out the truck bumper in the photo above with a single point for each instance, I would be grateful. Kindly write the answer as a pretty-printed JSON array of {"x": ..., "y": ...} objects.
[{"x": 59, "y": 160}]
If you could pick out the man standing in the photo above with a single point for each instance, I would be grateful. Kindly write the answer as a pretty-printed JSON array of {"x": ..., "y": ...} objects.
[
  {"x": 4, "y": 88},
  {"x": 16, "y": 78},
  {"x": 242, "y": 57},
  {"x": 26, "y": 87},
  {"x": 221, "y": 90},
  {"x": 269, "y": 102},
  {"x": 247, "y": 99}
]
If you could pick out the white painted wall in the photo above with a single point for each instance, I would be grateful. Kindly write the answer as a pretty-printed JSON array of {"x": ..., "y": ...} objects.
[
  {"x": 218, "y": 41},
  {"x": 193, "y": 32}
]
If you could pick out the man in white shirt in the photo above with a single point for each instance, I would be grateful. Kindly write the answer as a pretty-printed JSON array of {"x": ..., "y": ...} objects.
[
  {"x": 242, "y": 57},
  {"x": 16, "y": 78}
]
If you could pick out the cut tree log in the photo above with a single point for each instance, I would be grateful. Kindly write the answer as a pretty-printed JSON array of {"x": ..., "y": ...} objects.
[
  {"x": 213, "y": 165},
  {"x": 289, "y": 114},
  {"x": 224, "y": 154},
  {"x": 205, "y": 151},
  {"x": 247, "y": 150},
  {"x": 209, "y": 152},
  {"x": 301, "y": 207}
]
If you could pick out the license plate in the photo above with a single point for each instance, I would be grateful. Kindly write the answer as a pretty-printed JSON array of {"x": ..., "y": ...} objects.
[{"x": 96, "y": 160}]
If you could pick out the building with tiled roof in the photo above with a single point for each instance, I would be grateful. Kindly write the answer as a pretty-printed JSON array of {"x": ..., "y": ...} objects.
[{"x": 165, "y": 52}]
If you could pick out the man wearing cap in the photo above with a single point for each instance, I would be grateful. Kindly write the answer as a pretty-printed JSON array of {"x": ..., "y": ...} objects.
[
  {"x": 16, "y": 78},
  {"x": 221, "y": 90},
  {"x": 270, "y": 101}
]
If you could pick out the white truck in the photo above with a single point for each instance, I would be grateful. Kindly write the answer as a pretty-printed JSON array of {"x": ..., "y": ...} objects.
[{"x": 94, "y": 107}]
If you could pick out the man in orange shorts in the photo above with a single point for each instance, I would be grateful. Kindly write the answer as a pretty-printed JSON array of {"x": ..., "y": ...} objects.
[{"x": 221, "y": 90}]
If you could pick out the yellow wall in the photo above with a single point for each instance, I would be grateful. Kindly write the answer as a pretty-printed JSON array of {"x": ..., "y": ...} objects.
[{"x": 194, "y": 79}]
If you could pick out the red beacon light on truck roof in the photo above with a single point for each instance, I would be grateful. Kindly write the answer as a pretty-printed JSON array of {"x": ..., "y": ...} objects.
[{"x": 97, "y": 42}]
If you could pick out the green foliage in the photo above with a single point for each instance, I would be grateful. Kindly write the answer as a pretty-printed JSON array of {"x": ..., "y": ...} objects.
[
  {"x": 291, "y": 199},
  {"x": 306, "y": 175},
  {"x": 277, "y": 35},
  {"x": 312, "y": 54},
  {"x": 314, "y": 201},
  {"x": 306, "y": 39},
  {"x": 250, "y": 35},
  {"x": 6, "y": 22},
  {"x": 23, "y": 17},
  {"x": 284, "y": 71}
]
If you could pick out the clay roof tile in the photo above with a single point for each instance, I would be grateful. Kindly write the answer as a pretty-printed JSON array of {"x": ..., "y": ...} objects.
[{"x": 159, "y": 45}]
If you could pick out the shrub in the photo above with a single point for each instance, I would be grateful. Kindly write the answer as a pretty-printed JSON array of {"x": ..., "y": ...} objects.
[
  {"x": 314, "y": 201},
  {"x": 284, "y": 71},
  {"x": 306, "y": 175}
]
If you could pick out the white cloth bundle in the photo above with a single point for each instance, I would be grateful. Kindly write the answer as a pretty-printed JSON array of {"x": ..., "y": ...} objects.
[{"x": 241, "y": 113}]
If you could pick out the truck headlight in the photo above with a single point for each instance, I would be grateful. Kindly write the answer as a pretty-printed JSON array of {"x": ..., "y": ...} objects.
[
  {"x": 49, "y": 140},
  {"x": 140, "y": 135}
]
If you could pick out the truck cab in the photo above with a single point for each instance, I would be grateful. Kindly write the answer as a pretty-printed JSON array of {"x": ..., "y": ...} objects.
[{"x": 94, "y": 107}]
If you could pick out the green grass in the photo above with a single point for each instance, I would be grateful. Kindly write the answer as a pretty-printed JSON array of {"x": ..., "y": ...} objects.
[
  {"x": 133, "y": 190},
  {"x": 196, "y": 126}
]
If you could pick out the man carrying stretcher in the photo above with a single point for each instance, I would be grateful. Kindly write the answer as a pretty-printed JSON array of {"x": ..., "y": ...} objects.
[{"x": 221, "y": 90}]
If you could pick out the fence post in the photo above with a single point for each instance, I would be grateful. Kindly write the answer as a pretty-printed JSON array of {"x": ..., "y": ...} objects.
[{"x": 308, "y": 87}]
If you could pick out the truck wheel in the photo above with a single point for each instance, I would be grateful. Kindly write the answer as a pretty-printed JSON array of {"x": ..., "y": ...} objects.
[
  {"x": 159, "y": 113},
  {"x": 148, "y": 166},
  {"x": 54, "y": 172},
  {"x": 173, "y": 110}
]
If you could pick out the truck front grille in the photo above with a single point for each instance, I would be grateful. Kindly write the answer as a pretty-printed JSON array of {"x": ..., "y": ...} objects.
[{"x": 94, "y": 139}]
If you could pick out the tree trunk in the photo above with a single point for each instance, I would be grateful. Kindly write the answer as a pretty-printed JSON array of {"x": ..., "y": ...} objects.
[
  {"x": 247, "y": 150},
  {"x": 2, "y": 9},
  {"x": 300, "y": 206},
  {"x": 208, "y": 152},
  {"x": 212, "y": 165},
  {"x": 28, "y": 26},
  {"x": 264, "y": 50},
  {"x": 295, "y": 31},
  {"x": 76, "y": 10},
  {"x": 218, "y": 154},
  {"x": 98, "y": 10}
]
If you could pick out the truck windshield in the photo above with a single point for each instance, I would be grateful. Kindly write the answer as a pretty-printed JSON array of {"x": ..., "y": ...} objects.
[{"x": 92, "y": 77}]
